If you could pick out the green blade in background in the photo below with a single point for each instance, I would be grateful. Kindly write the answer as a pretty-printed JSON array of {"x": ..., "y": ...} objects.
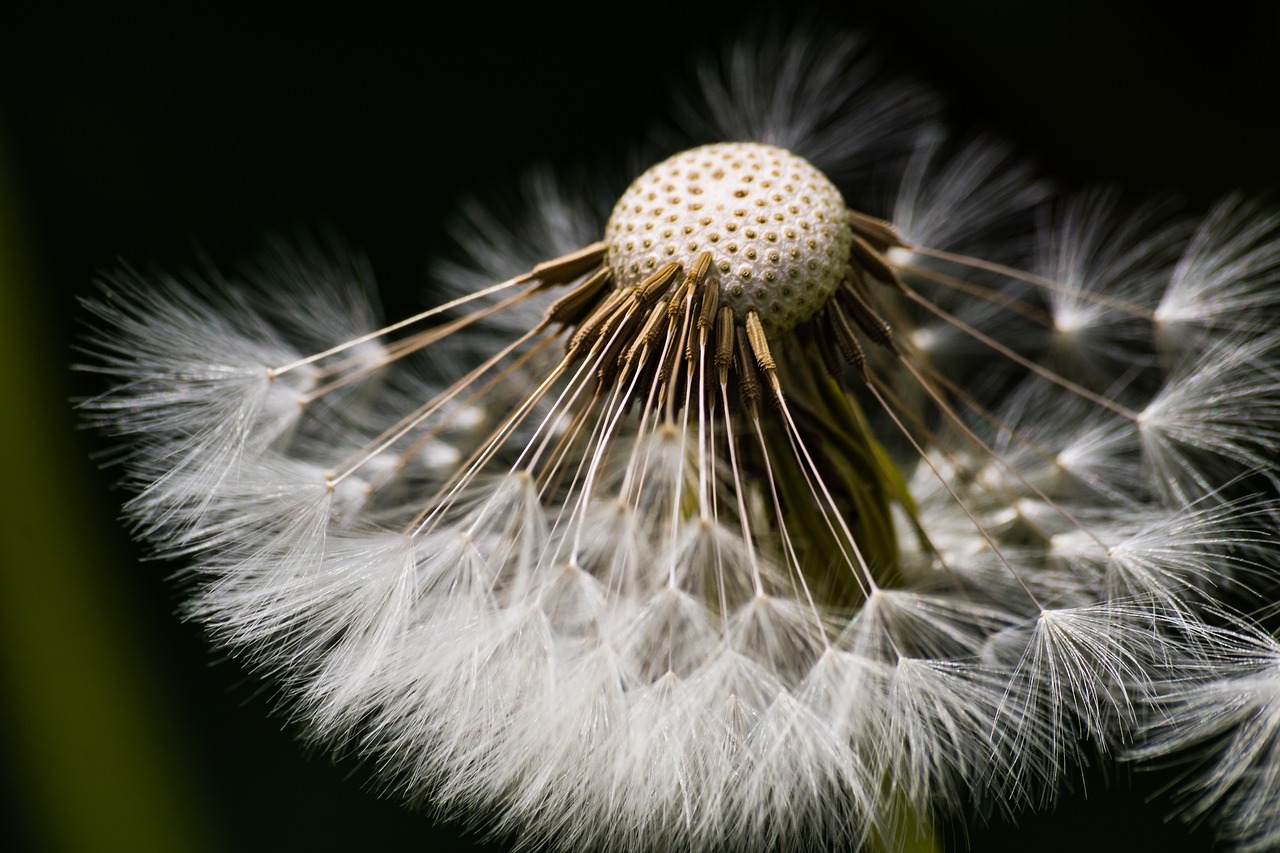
[{"x": 93, "y": 759}]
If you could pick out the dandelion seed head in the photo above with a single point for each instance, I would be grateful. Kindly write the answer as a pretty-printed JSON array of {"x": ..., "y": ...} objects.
[
  {"x": 744, "y": 519},
  {"x": 775, "y": 226}
]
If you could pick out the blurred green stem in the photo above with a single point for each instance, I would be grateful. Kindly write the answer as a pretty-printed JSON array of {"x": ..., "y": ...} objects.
[{"x": 91, "y": 753}]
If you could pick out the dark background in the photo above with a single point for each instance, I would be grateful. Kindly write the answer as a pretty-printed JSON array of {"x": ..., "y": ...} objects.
[{"x": 165, "y": 141}]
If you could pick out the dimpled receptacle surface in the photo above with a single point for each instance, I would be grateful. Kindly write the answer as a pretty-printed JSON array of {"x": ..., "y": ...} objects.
[{"x": 776, "y": 228}]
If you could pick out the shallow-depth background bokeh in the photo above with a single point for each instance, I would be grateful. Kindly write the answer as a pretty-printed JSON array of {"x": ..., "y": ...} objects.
[{"x": 176, "y": 144}]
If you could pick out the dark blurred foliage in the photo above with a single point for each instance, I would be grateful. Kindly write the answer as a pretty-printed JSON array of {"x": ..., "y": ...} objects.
[{"x": 168, "y": 142}]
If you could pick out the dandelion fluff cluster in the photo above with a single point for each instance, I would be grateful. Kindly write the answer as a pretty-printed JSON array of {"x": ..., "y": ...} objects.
[{"x": 777, "y": 509}]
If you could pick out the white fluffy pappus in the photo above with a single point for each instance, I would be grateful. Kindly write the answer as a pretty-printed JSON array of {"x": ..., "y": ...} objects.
[{"x": 745, "y": 518}]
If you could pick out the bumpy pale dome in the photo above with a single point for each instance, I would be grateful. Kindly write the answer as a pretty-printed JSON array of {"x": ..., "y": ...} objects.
[{"x": 777, "y": 228}]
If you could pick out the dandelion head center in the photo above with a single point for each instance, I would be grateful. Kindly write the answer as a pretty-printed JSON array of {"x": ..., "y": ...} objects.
[{"x": 775, "y": 226}]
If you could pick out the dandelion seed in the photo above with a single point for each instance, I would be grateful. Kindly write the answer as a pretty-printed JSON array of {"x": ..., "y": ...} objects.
[
  {"x": 746, "y": 519},
  {"x": 1226, "y": 713}
]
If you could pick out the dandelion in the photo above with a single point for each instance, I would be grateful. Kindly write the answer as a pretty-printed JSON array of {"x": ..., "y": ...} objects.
[{"x": 769, "y": 511}]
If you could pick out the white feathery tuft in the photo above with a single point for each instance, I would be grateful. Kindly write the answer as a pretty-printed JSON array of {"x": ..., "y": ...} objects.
[
  {"x": 1215, "y": 418},
  {"x": 1226, "y": 279},
  {"x": 1224, "y": 715}
]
